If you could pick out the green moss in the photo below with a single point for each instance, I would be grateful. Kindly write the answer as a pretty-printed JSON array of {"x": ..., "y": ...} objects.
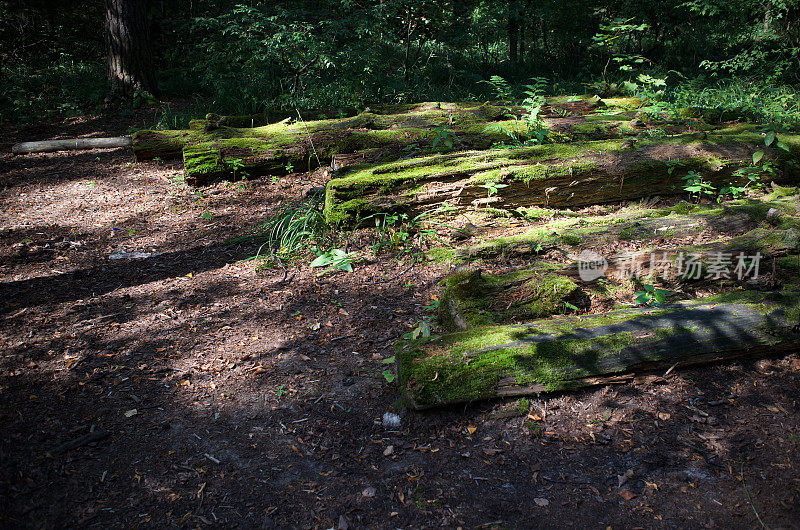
[
  {"x": 441, "y": 255},
  {"x": 202, "y": 160},
  {"x": 780, "y": 192},
  {"x": 472, "y": 298},
  {"x": 629, "y": 103}
]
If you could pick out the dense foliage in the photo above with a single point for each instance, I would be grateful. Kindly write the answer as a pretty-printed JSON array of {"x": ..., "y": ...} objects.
[{"x": 237, "y": 57}]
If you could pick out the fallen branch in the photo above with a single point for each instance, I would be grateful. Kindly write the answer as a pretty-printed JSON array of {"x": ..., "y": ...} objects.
[
  {"x": 70, "y": 144},
  {"x": 80, "y": 441}
]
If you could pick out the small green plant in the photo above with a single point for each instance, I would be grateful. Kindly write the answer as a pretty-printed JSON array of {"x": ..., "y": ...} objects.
[
  {"x": 492, "y": 188},
  {"x": 132, "y": 231},
  {"x": 736, "y": 192},
  {"x": 610, "y": 40},
  {"x": 445, "y": 136},
  {"x": 697, "y": 186},
  {"x": 651, "y": 295},
  {"x": 770, "y": 138},
  {"x": 397, "y": 230},
  {"x": 502, "y": 89},
  {"x": 388, "y": 374},
  {"x": 207, "y": 215},
  {"x": 533, "y": 130},
  {"x": 335, "y": 258},
  {"x": 280, "y": 391},
  {"x": 289, "y": 167},
  {"x": 421, "y": 330},
  {"x": 432, "y": 306},
  {"x": 237, "y": 165},
  {"x": 296, "y": 227},
  {"x": 536, "y": 429},
  {"x": 523, "y": 406}
]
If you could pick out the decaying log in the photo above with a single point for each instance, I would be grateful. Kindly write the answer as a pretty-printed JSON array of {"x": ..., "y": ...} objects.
[
  {"x": 555, "y": 175},
  {"x": 571, "y": 352},
  {"x": 71, "y": 144},
  {"x": 255, "y": 145}
]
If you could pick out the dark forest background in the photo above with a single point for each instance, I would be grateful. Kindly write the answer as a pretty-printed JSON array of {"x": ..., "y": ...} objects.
[{"x": 239, "y": 57}]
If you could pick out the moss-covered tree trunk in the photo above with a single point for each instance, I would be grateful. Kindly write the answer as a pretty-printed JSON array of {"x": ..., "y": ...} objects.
[
  {"x": 571, "y": 352},
  {"x": 554, "y": 175}
]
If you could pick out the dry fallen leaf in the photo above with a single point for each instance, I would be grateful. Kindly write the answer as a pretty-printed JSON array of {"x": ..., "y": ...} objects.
[
  {"x": 541, "y": 502},
  {"x": 132, "y": 412},
  {"x": 471, "y": 429},
  {"x": 627, "y": 495}
]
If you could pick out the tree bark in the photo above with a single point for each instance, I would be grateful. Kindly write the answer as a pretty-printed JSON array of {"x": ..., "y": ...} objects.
[
  {"x": 513, "y": 32},
  {"x": 71, "y": 144},
  {"x": 128, "y": 47}
]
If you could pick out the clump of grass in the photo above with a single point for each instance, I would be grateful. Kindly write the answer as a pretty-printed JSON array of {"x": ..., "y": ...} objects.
[{"x": 292, "y": 230}]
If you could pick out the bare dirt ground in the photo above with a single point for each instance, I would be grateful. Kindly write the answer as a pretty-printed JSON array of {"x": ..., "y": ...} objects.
[{"x": 231, "y": 398}]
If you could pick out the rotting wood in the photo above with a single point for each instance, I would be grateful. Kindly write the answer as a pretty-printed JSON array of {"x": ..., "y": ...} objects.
[
  {"x": 556, "y": 176},
  {"x": 576, "y": 351},
  {"x": 70, "y": 144}
]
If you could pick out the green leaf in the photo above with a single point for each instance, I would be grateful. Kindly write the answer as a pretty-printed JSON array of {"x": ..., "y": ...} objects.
[
  {"x": 769, "y": 138},
  {"x": 388, "y": 375},
  {"x": 661, "y": 295},
  {"x": 643, "y": 297},
  {"x": 757, "y": 156},
  {"x": 783, "y": 146},
  {"x": 388, "y": 360},
  {"x": 322, "y": 260}
]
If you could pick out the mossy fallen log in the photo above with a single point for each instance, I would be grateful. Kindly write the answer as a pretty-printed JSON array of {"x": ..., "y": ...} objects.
[
  {"x": 738, "y": 220},
  {"x": 575, "y": 351},
  {"x": 554, "y": 175},
  {"x": 258, "y": 144},
  {"x": 406, "y": 125},
  {"x": 472, "y": 298}
]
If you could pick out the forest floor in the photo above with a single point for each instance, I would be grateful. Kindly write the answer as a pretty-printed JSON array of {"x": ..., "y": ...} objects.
[{"x": 237, "y": 397}]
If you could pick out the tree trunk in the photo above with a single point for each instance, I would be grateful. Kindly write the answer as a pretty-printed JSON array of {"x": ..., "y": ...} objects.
[
  {"x": 569, "y": 352},
  {"x": 513, "y": 32},
  {"x": 128, "y": 47},
  {"x": 71, "y": 144},
  {"x": 554, "y": 176}
]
